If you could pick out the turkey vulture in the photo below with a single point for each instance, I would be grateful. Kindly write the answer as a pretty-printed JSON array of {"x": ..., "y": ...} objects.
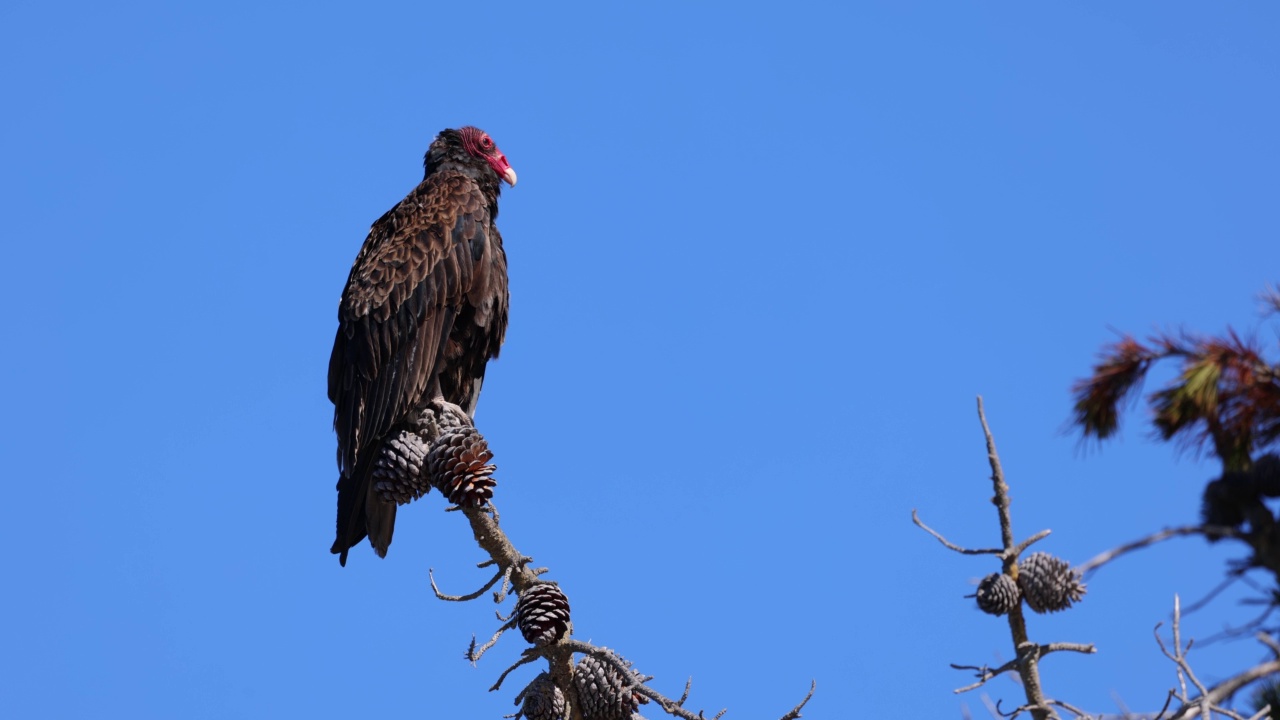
[{"x": 424, "y": 308}]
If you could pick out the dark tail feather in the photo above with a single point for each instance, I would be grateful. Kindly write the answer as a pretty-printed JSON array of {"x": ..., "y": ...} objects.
[
  {"x": 380, "y": 521},
  {"x": 361, "y": 512},
  {"x": 351, "y": 526}
]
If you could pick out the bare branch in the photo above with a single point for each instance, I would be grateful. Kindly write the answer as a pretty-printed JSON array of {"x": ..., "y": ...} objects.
[
  {"x": 688, "y": 685},
  {"x": 462, "y": 598},
  {"x": 915, "y": 518},
  {"x": 1069, "y": 708},
  {"x": 795, "y": 711},
  {"x": 1021, "y": 709},
  {"x": 1224, "y": 690},
  {"x": 506, "y": 588},
  {"x": 1084, "y": 648},
  {"x": 1027, "y": 651},
  {"x": 1208, "y": 700},
  {"x": 1245, "y": 629},
  {"x": 997, "y": 481},
  {"x": 1270, "y": 642},
  {"x": 985, "y": 673},
  {"x": 671, "y": 707},
  {"x": 1022, "y": 546},
  {"x": 526, "y": 657},
  {"x": 1232, "y": 577},
  {"x": 516, "y": 576},
  {"x": 474, "y": 654},
  {"x": 1109, "y": 555}
]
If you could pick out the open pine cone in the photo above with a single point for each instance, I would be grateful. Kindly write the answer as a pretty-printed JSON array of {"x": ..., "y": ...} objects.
[
  {"x": 397, "y": 473},
  {"x": 605, "y": 694},
  {"x": 998, "y": 594},
  {"x": 456, "y": 465},
  {"x": 541, "y": 700},
  {"x": 1048, "y": 583},
  {"x": 542, "y": 614}
]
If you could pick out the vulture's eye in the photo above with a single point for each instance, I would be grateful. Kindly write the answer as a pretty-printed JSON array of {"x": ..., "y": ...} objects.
[{"x": 486, "y": 142}]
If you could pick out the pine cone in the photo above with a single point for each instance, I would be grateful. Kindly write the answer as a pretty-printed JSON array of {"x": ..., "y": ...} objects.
[
  {"x": 542, "y": 700},
  {"x": 1048, "y": 583},
  {"x": 998, "y": 594},
  {"x": 457, "y": 467},
  {"x": 605, "y": 694},
  {"x": 542, "y": 613},
  {"x": 397, "y": 473}
]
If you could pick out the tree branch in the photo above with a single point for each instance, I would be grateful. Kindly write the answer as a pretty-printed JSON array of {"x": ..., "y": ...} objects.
[
  {"x": 1208, "y": 700},
  {"x": 915, "y": 518},
  {"x": 517, "y": 576},
  {"x": 1026, "y": 650},
  {"x": 985, "y": 674},
  {"x": 1106, "y": 557}
]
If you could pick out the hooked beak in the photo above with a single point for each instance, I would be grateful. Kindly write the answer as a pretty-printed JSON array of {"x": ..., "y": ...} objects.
[{"x": 499, "y": 163}]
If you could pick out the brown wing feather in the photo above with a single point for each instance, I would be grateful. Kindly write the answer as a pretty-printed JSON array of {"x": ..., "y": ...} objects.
[
  {"x": 413, "y": 276},
  {"x": 479, "y": 330}
]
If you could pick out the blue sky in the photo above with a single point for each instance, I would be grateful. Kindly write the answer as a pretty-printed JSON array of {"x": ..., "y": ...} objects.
[{"x": 763, "y": 258}]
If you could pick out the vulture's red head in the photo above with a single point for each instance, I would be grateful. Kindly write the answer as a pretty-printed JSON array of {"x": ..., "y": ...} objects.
[{"x": 469, "y": 147}]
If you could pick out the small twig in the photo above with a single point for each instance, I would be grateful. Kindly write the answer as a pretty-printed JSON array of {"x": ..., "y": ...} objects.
[
  {"x": 795, "y": 711},
  {"x": 474, "y": 654},
  {"x": 997, "y": 480},
  {"x": 1153, "y": 538},
  {"x": 1014, "y": 712},
  {"x": 1125, "y": 712},
  {"x": 950, "y": 545},
  {"x": 1209, "y": 700},
  {"x": 1022, "y": 546},
  {"x": 505, "y": 590},
  {"x": 1069, "y": 708},
  {"x": 985, "y": 673},
  {"x": 526, "y": 657},
  {"x": 1084, "y": 648},
  {"x": 1232, "y": 577},
  {"x": 1248, "y": 627},
  {"x": 1182, "y": 652},
  {"x": 1270, "y": 642},
  {"x": 688, "y": 685},
  {"x": 461, "y": 598}
]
